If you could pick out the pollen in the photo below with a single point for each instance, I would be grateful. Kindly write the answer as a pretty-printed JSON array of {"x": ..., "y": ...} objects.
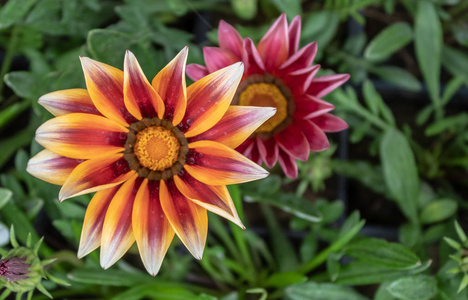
[
  {"x": 266, "y": 95},
  {"x": 156, "y": 148}
]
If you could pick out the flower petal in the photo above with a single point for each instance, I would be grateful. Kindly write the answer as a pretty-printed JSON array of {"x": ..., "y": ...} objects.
[
  {"x": 252, "y": 60},
  {"x": 209, "y": 99},
  {"x": 218, "y": 58},
  {"x": 140, "y": 98},
  {"x": 215, "y": 164},
  {"x": 170, "y": 84},
  {"x": 94, "y": 220},
  {"x": 323, "y": 85},
  {"x": 96, "y": 174},
  {"x": 288, "y": 164},
  {"x": 117, "y": 233},
  {"x": 274, "y": 46},
  {"x": 299, "y": 81},
  {"x": 294, "y": 34},
  {"x": 317, "y": 139},
  {"x": 294, "y": 142},
  {"x": 236, "y": 125},
  {"x": 330, "y": 123},
  {"x": 68, "y": 101},
  {"x": 229, "y": 38},
  {"x": 189, "y": 221},
  {"x": 51, "y": 167},
  {"x": 214, "y": 198},
  {"x": 82, "y": 136},
  {"x": 308, "y": 107},
  {"x": 152, "y": 230},
  {"x": 268, "y": 150},
  {"x": 105, "y": 87},
  {"x": 196, "y": 71},
  {"x": 301, "y": 59}
]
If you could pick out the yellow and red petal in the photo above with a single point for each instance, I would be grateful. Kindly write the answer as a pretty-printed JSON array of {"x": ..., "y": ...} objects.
[
  {"x": 330, "y": 123},
  {"x": 140, "y": 98},
  {"x": 82, "y": 136},
  {"x": 151, "y": 228},
  {"x": 209, "y": 99},
  {"x": 236, "y": 125},
  {"x": 229, "y": 38},
  {"x": 294, "y": 142},
  {"x": 321, "y": 86},
  {"x": 294, "y": 34},
  {"x": 105, "y": 87},
  {"x": 189, "y": 220},
  {"x": 214, "y": 198},
  {"x": 288, "y": 164},
  {"x": 317, "y": 139},
  {"x": 196, "y": 71},
  {"x": 117, "y": 233},
  {"x": 252, "y": 60},
  {"x": 308, "y": 107},
  {"x": 68, "y": 101},
  {"x": 216, "y": 164},
  {"x": 218, "y": 58},
  {"x": 96, "y": 174},
  {"x": 274, "y": 46},
  {"x": 51, "y": 167},
  {"x": 170, "y": 84},
  {"x": 94, "y": 220},
  {"x": 268, "y": 150}
]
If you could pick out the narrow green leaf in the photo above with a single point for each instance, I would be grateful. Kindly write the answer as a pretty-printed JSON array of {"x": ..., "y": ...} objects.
[
  {"x": 455, "y": 61},
  {"x": 428, "y": 45},
  {"x": 283, "y": 279},
  {"x": 108, "y": 277},
  {"x": 421, "y": 287},
  {"x": 375, "y": 102},
  {"x": 292, "y": 8},
  {"x": 452, "y": 243},
  {"x": 452, "y": 123},
  {"x": 437, "y": 211},
  {"x": 400, "y": 172},
  {"x": 13, "y": 11},
  {"x": 452, "y": 87},
  {"x": 245, "y": 9},
  {"x": 463, "y": 283},
  {"x": 5, "y": 196},
  {"x": 333, "y": 265},
  {"x": 325, "y": 291},
  {"x": 382, "y": 253},
  {"x": 460, "y": 232},
  {"x": 388, "y": 41},
  {"x": 398, "y": 76}
]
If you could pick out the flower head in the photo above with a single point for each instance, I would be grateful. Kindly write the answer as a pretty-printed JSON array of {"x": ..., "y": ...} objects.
[
  {"x": 159, "y": 155},
  {"x": 278, "y": 74}
]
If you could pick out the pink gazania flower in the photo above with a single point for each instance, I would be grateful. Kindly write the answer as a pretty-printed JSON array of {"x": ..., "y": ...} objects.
[
  {"x": 158, "y": 155},
  {"x": 279, "y": 75}
]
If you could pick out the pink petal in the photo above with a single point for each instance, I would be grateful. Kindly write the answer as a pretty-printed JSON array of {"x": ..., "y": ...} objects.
[
  {"x": 323, "y": 85},
  {"x": 299, "y": 81},
  {"x": 229, "y": 38},
  {"x": 196, "y": 72},
  {"x": 294, "y": 35},
  {"x": 252, "y": 60},
  {"x": 274, "y": 46},
  {"x": 301, "y": 59},
  {"x": 218, "y": 58},
  {"x": 288, "y": 164},
  {"x": 317, "y": 139},
  {"x": 308, "y": 107},
  {"x": 268, "y": 150},
  {"x": 293, "y": 141},
  {"x": 330, "y": 123}
]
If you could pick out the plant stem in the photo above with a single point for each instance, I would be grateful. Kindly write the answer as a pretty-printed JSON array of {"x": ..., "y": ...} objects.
[{"x": 8, "y": 59}]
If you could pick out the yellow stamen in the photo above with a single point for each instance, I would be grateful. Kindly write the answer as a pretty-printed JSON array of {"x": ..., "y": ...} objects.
[
  {"x": 156, "y": 148},
  {"x": 266, "y": 95}
]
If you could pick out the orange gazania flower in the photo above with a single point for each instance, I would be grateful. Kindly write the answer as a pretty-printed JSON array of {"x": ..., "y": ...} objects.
[
  {"x": 151, "y": 152},
  {"x": 278, "y": 74}
]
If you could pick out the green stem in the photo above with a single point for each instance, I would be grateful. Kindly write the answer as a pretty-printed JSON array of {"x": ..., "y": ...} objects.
[{"x": 8, "y": 59}]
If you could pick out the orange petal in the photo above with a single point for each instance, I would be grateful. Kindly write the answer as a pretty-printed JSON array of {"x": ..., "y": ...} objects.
[
  {"x": 236, "y": 125},
  {"x": 82, "y": 136},
  {"x": 96, "y": 174},
  {"x": 117, "y": 234},
  {"x": 190, "y": 221},
  {"x": 170, "y": 85},
  {"x": 209, "y": 99},
  {"x": 214, "y": 198},
  {"x": 51, "y": 167},
  {"x": 105, "y": 87},
  {"x": 215, "y": 164},
  {"x": 141, "y": 99},
  {"x": 274, "y": 46},
  {"x": 68, "y": 101},
  {"x": 152, "y": 230},
  {"x": 94, "y": 219}
]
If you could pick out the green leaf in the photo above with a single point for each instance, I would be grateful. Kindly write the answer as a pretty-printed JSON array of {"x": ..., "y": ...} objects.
[
  {"x": 292, "y": 8},
  {"x": 421, "y": 287},
  {"x": 428, "y": 45},
  {"x": 333, "y": 265},
  {"x": 25, "y": 84},
  {"x": 321, "y": 27},
  {"x": 400, "y": 172},
  {"x": 321, "y": 291},
  {"x": 375, "y": 102},
  {"x": 5, "y": 196},
  {"x": 461, "y": 234},
  {"x": 438, "y": 210},
  {"x": 453, "y": 123},
  {"x": 283, "y": 279},
  {"x": 109, "y": 46},
  {"x": 452, "y": 87},
  {"x": 245, "y": 9},
  {"x": 383, "y": 253},
  {"x": 455, "y": 61},
  {"x": 388, "y": 41},
  {"x": 13, "y": 11},
  {"x": 383, "y": 294},
  {"x": 108, "y": 277},
  {"x": 398, "y": 77}
]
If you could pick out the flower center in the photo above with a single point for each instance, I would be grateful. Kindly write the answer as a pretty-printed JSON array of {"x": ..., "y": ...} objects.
[
  {"x": 155, "y": 149},
  {"x": 267, "y": 91}
]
